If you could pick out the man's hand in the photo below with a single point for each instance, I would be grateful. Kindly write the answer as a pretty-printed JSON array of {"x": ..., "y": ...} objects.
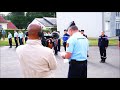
[
  {"x": 63, "y": 57},
  {"x": 63, "y": 54}
]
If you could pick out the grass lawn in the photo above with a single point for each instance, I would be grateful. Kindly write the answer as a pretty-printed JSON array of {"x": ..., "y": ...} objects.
[
  {"x": 93, "y": 42},
  {"x": 6, "y": 42}
]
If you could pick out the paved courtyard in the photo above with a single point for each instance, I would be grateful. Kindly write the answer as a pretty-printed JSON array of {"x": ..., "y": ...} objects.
[{"x": 10, "y": 67}]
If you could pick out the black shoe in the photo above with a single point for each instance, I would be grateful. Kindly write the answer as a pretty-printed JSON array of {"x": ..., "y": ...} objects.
[
  {"x": 56, "y": 54},
  {"x": 87, "y": 55},
  {"x": 10, "y": 47},
  {"x": 101, "y": 61}
]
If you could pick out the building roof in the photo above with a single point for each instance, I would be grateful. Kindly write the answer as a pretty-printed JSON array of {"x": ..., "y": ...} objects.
[
  {"x": 2, "y": 20},
  {"x": 47, "y": 21},
  {"x": 10, "y": 25},
  {"x": 51, "y": 20}
]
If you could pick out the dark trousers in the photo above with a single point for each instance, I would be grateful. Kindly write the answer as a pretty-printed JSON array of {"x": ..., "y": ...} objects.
[
  {"x": 21, "y": 41},
  {"x": 10, "y": 42},
  {"x": 56, "y": 51},
  {"x": 59, "y": 45},
  {"x": 26, "y": 39},
  {"x": 64, "y": 44},
  {"x": 77, "y": 69},
  {"x": 102, "y": 53},
  {"x": 16, "y": 41}
]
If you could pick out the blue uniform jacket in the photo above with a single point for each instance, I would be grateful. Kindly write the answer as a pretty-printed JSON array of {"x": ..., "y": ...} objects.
[
  {"x": 65, "y": 37},
  {"x": 103, "y": 41}
]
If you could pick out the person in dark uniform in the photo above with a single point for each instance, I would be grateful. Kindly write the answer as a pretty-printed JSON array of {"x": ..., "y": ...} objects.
[
  {"x": 71, "y": 24},
  {"x": 55, "y": 42},
  {"x": 103, "y": 44},
  {"x": 65, "y": 38},
  {"x": 43, "y": 39},
  {"x": 10, "y": 39},
  {"x": 59, "y": 41},
  {"x": 21, "y": 38},
  {"x": 26, "y": 37},
  {"x": 16, "y": 38},
  {"x": 82, "y": 32}
]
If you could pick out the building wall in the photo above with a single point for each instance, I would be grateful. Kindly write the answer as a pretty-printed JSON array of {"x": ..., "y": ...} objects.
[
  {"x": 4, "y": 25},
  {"x": 112, "y": 24},
  {"x": 91, "y": 22}
]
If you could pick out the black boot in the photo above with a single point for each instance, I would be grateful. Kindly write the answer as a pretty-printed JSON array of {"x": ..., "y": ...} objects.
[
  {"x": 104, "y": 58},
  {"x": 101, "y": 59}
]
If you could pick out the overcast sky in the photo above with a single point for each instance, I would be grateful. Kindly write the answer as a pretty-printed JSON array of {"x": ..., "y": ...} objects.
[{"x": 4, "y": 13}]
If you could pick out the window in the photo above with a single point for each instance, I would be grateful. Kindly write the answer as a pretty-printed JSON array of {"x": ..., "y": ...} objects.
[
  {"x": 118, "y": 14},
  {"x": 107, "y": 26},
  {"x": 117, "y": 25}
]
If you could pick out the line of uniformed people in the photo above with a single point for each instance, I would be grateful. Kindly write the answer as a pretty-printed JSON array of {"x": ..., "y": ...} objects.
[{"x": 18, "y": 38}]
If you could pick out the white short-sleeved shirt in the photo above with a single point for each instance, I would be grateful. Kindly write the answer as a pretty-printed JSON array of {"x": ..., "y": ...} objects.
[
  {"x": 21, "y": 35},
  {"x": 78, "y": 46},
  {"x": 9, "y": 36},
  {"x": 15, "y": 34}
]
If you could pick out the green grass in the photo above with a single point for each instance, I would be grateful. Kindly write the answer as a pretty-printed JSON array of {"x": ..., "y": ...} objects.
[
  {"x": 95, "y": 42},
  {"x": 6, "y": 43},
  {"x": 92, "y": 42}
]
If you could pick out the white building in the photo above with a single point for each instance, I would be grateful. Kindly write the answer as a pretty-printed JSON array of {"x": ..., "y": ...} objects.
[
  {"x": 92, "y": 22},
  {"x": 45, "y": 22}
]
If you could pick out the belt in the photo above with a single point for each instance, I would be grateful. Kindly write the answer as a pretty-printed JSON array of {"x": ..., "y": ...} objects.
[{"x": 75, "y": 61}]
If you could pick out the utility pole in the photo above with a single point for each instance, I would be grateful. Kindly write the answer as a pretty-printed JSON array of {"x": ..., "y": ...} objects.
[{"x": 103, "y": 22}]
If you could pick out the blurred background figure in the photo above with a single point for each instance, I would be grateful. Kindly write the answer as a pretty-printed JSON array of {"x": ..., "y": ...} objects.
[
  {"x": 103, "y": 44},
  {"x": 82, "y": 32},
  {"x": 26, "y": 36},
  {"x": 55, "y": 37},
  {"x": 71, "y": 24},
  {"x": 59, "y": 41},
  {"x": 16, "y": 38},
  {"x": 21, "y": 38},
  {"x": 10, "y": 39},
  {"x": 3, "y": 34},
  {"x": 65, "y": 38}
]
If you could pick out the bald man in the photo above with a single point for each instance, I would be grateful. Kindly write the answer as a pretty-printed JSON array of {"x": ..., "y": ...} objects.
[{"x": 36, "y": 60}]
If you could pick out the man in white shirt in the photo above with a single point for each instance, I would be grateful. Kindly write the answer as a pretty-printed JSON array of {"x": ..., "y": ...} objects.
[
  {"x": 21, "y": 37},
  {"x": 36, "y": 60},
  {"x": 16, "y": 38},
  {"x": 10, "y": 39}
]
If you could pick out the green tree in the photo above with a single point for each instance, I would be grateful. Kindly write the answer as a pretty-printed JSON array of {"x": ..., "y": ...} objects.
[{"x": 21, "y": 20}]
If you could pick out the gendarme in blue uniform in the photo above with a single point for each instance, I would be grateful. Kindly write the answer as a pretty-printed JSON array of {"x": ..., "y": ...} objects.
[
  {"x": 65, "y": 37},
  {"x": 78, "y": 46}
]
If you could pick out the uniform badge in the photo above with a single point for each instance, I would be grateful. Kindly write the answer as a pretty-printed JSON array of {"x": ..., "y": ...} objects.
[{"x": 67, "y": 45}]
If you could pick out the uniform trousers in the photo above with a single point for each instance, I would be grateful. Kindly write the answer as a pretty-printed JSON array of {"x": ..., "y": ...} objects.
[
  {"x": 59, "y": 44},
  {"x": 77, "y": 69},
  {"x": 10, "y": 42},
  {"x": 16, "y": 41},
  {"x": 102, "y": 53},
  {"x": 64, "y": 44}
]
